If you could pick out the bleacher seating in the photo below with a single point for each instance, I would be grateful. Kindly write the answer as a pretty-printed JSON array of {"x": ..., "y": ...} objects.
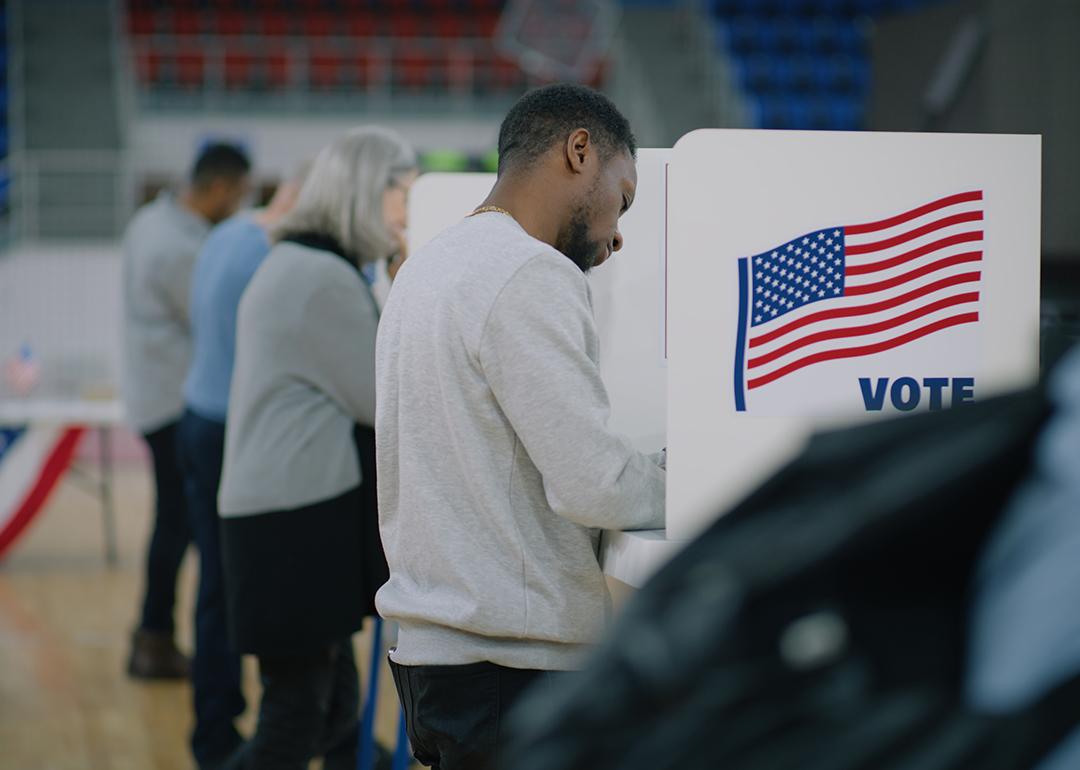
[
  {"x": 409, "y": 46},
  {"x": 802, "y": 64}
]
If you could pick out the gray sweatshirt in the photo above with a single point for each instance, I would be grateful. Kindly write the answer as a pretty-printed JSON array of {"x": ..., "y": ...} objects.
[
  {"x": 305, "y": 349},
  {"x": 496, "y": 466},
  {"x": 160, "y": 247}
]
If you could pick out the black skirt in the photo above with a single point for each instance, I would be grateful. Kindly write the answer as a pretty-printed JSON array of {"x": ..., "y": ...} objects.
[{"x": 298, "y": 579}]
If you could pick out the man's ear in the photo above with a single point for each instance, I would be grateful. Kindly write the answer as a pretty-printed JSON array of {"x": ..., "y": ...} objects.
[{"x": 578, "y": 150}]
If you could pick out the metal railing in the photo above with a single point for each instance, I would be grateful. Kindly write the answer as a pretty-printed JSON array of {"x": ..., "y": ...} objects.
[{"x": 71, "y": 193}]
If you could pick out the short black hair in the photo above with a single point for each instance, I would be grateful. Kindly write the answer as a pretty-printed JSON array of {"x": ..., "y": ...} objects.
[
  {"x": 547, "y": 115},
  {"x": 219, "y": 161}
]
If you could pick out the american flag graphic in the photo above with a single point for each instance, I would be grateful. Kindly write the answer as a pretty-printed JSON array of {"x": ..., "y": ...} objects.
[
  {"x": 858, "y": 290},
  {"x": 33, "y": 459},
  {"x": 22, "y": 372}
]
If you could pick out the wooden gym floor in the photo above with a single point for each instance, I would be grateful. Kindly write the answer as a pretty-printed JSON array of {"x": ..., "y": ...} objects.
[{"x": 65, "y": 623}]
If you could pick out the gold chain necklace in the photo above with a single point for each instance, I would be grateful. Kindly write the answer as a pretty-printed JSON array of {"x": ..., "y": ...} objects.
[{"x": 491, "y": 210}]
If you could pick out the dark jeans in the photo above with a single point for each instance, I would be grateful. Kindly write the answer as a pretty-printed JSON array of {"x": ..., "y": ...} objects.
[
  {"x": 215, "y": 667},
  {"x": 170, "y": 535},
  {"x": 309, "y": 708},
  {"x": 454, "y": 715}
]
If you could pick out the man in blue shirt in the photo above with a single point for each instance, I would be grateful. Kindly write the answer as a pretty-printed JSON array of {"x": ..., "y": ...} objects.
[{"x": 229, "y": 258}]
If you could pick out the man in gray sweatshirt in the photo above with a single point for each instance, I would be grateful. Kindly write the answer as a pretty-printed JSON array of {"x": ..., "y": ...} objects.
[
  {"x": 160, "y": 246},
  {"x": 497, "y": 469}
]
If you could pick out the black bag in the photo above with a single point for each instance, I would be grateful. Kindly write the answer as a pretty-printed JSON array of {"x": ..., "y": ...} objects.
[{"x": 821, "y": 624}]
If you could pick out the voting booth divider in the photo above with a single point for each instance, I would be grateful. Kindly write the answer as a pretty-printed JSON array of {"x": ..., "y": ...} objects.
[{"x": 774, "y": 283}]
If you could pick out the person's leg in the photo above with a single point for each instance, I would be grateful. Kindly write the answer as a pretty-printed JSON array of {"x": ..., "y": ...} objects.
[
  {"x": 513, "y": 684},
  {"x": 453, "y": 713},
  {"x": 340, "y": 738},
  {"x": 216, "y": 669},
  {"x": 154, "y": 654},
  {"x": 297, "y": 692}
]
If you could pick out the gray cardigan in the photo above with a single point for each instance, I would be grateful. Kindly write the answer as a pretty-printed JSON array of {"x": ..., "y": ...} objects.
[{"x": 304, "y": 376}]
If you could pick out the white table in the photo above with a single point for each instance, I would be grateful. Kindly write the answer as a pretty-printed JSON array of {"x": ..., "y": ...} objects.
[{"x": 100, "y": 416}]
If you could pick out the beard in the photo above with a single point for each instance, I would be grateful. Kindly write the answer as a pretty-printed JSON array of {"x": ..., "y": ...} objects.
[{"x": 575, "y": 244}]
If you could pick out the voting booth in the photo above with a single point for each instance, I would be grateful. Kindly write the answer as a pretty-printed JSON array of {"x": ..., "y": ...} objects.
[{"x": 774, "y": 283}]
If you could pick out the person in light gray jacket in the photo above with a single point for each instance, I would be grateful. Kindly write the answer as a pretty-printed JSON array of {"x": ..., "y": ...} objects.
[
  {"x": 160, "y": 247},
  {"x": 297, "y": 498}
]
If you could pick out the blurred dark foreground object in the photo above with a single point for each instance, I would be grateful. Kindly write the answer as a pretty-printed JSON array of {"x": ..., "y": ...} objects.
[{"x": 823, "y": 624}]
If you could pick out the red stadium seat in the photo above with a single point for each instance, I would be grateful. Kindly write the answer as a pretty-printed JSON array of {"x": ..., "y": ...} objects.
[
  {"x": 449, "y": 25},
  {"x": 405, "y": 25},
  {"x": 141, "y": 22},
  {"x": 274, "y": 24},
  {"x": 486, "y": 24},
  {"x": 461, "y": 74},
  {"x": 323, "y": 25},
  {"x": 410, "y": 69},
  {"x": 231, "y": 22},
  {"x": 419, "y": 68},
  {"x": 506, "y": 74},
  {"x": 239, "y": 69},
  {"x": 150, "y": 67},
  {"x": 277, "y": 69},
  {"x": 325, "y": 68},
  {"x": 190, "y": 68},
  {"x": 186, "y": 22},
  {"x": 362, "y": 24},
  {"x": 366, "y": 68}
]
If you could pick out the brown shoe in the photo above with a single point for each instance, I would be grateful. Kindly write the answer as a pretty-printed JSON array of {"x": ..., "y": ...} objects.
[{"x": 154, "y": 656}]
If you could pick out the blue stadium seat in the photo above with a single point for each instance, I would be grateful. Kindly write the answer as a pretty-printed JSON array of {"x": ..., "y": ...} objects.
[
  {"x": 802, "y": 63},
  {"x": 846, "y": 113}
]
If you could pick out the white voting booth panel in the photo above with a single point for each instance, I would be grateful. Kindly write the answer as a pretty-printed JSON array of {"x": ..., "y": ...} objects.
[
  {"x": 440, "y": 200},
  {"x": 819, "y": 278},
  {"x": 629, "y": 306}
]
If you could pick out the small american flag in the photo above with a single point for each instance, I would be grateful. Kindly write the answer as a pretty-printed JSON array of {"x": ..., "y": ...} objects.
[
  {"x": 22, "y": 372},
  {"x": 858, "y": 290}
]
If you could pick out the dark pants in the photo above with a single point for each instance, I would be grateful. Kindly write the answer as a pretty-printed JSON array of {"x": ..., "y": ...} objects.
[
  {"x": 309, "y": 708},
  {"x": 455, "y": 715},
  {"x": 215, "y": 666},
  {"x": 170, "y": 535}
]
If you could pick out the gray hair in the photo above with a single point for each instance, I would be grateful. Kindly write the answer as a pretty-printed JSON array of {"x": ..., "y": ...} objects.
[{"x": 343, "y": 195}]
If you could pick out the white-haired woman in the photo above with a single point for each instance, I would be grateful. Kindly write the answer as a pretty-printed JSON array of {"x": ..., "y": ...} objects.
[{"x": 300, "y": 542}]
